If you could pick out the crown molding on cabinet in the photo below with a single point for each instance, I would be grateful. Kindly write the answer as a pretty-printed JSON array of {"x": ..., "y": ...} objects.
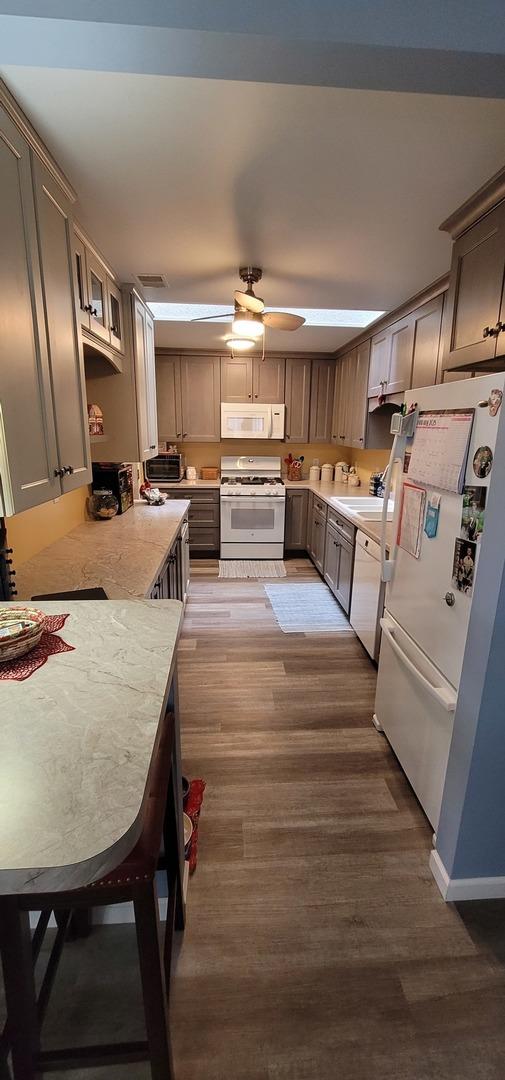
[
  {"x": 479, "y": 204},
  {"x": 33, "y": 139},
  {"x": 89, "y": 243},
  {"x": 289, "y": 354},
  {"x": 439, "y": 286}
]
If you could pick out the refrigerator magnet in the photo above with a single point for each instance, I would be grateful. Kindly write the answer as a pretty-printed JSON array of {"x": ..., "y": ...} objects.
[
  {"x": 495, "y": 400},
  {"x": 472, "y": 515},
  {"x": 432, "y": 515},
  {"x": 483, "y": 461},
  {"x": 463, "y": 566}
]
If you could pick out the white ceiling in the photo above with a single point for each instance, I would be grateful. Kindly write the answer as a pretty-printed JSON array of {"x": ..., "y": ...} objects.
[{"x": 336, "y": 193}]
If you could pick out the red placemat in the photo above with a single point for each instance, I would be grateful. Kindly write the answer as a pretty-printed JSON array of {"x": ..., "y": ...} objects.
[
  {"x": 49, "y": 644},
  {"x": 192, "y": 806}
]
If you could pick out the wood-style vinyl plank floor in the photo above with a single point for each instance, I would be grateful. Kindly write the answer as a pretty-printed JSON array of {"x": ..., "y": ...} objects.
[{"x": 317, "y": 946}]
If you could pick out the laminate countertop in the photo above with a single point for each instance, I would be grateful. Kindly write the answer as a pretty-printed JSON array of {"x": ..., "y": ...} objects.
[
  {"x": 76, "y": 742},
  {"x": 123, "y": 555}
]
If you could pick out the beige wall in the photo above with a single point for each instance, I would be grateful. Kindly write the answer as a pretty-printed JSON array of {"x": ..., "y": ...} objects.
[
  {"x": 32, "y": 531},
  {"x": 366, "y": 461}
]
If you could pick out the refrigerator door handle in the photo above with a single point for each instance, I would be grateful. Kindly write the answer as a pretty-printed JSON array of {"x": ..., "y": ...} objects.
[
  {"x": 441, "y": 695},
  {"x": 387, "y": 565}
]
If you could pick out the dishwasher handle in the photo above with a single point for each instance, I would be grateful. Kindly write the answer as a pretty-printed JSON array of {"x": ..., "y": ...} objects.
[{"x": 441, "y": 695}]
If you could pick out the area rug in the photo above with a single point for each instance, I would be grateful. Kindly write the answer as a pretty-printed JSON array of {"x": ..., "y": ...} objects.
[
  {"x": 306, "y": 608},
  {"x": 251, "y": 568}
]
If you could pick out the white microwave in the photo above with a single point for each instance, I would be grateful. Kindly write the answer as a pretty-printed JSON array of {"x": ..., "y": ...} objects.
[{"x": 252, "y": 421}]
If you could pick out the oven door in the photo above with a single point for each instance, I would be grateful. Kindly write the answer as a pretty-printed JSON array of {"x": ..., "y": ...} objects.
[{"x": 250, "y": 519}]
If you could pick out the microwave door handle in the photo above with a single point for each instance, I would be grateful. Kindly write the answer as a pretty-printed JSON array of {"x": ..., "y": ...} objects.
[{"x": 270, "y": 426}]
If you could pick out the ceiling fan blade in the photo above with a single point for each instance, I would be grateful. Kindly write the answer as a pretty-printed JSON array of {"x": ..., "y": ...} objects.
[
  {"x": 222, "y": 315},
  {"x": 282, "y": 320},
  {"x": 250, "y": 303}
]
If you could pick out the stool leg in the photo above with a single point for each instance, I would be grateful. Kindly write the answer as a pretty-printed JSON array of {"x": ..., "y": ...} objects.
[
  {"x": 20, "y": 996},
  {"x": 147, "y": 924}
]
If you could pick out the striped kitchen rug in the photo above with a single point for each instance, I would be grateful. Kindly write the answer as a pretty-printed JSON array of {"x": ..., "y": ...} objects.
[
  {"x": 251, "y": 568},
  {"x": 307, "y": 608}
]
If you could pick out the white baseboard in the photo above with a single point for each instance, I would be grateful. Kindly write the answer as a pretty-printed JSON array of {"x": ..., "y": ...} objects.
[{"x": 454, "y": 889}]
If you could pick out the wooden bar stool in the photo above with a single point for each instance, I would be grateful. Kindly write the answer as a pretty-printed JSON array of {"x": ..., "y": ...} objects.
[{"x": 134, "y": 880}]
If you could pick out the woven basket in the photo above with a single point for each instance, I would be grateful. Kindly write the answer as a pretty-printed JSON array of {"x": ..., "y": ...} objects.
[{"x": 27, "y": 626}]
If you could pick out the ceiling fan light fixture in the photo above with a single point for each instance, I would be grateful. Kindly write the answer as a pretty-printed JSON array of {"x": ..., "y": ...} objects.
[
  {"x": 246, "y": 324},
  {"x": 240, "y": 344}
]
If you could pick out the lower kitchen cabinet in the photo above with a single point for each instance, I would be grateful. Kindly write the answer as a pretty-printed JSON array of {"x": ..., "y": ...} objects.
[
  {"x": 318, "y": 535},
  {"x": 339, "y": 559},
  {"x": 172, "y": 582},
  {"x": 296, "y": 520},
  {"x": 203, "y": 518}
]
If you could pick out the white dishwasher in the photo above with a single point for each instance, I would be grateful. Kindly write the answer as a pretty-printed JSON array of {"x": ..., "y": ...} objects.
[{"x": 367, "y": 602}]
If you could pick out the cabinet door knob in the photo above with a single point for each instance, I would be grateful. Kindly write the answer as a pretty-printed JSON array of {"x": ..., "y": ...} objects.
[
  {"x": 68, "y": 469},
  {"x": 113, "y": 330},
  {"x": 59, "y": 472},
  {"x": 178, "y": 435},
  {"x": 88, "y": 308},
  {"x": 493, "y": 331}
]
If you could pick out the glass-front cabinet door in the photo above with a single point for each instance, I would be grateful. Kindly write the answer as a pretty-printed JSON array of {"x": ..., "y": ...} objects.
[
  {"x": 115, "y": 315},
  {"x": 97, "y": 297}
]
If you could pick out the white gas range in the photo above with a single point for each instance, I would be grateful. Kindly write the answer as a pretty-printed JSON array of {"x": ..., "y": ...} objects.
[{"x": 253, "y": 508}]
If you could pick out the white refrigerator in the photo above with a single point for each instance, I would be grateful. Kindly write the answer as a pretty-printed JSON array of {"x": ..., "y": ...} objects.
[{"x": 430, "y": 588}]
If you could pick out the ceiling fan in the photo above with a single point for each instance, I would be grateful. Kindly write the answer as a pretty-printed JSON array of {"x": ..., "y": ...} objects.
[{"x": 250, "y": 317}]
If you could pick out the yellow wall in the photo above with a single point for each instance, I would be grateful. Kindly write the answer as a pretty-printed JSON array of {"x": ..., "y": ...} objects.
[
  {"x": 32, "y": 531},
  {"x": 366, "y": 461}
]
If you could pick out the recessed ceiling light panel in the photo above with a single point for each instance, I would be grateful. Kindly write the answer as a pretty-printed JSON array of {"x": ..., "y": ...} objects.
[{"x": 346, "y": 317}]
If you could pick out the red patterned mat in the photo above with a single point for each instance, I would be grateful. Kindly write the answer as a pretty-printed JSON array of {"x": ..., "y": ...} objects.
[
  {"x": 192, "y": 806},
  {"x": 49, "y": 644}
]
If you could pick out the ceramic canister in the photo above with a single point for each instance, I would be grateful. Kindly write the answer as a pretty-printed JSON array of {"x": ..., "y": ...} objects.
[
  {"x": 327, "y": 474},
  {"x": 314, "y": 473}
]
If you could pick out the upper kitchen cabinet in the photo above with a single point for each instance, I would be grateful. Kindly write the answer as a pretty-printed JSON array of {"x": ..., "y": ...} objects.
[
  {"x": 321, "y": 399},
  {"x": 350, "y": 404},
  {"x": 168, "y": 389},
  {"x": 236, "y": 379},
  {"x": 426, "y": 346},
  {"x": 473, "y": 331},
  {"x": 380, "y": 349},
  {"x": 188, "y": 393},
  {"x": 98, "y": 300},
  {"x": 200, "y": 398},
  {"x": 55, "y": 244},
  {"x": 268, "y": 380},
  {"x": 297, "y": 399},
  {"x": 343, "y": 400},
  {"x": 145, "y": 377},
  {"x": 43, "y": 419},
  {"x": 127, "y": 398},
  {"x": 359, "y": 395},
  {"x": 391, "y": 359},
  {"x": 249, "y": 378}
]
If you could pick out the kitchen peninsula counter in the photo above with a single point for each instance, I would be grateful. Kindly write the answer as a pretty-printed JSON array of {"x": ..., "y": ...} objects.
[
  {"x": 123, "y": 555},
  {"x": 77, "y": 738}
]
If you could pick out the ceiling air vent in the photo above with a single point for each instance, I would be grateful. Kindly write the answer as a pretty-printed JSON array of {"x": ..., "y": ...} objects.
[{"x": 152, "y": 281}]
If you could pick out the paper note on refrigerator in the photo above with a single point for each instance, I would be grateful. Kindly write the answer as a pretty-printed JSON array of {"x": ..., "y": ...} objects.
[
  {"x": 440, "y": 448},
  {"x": 411, "y": 519}
]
